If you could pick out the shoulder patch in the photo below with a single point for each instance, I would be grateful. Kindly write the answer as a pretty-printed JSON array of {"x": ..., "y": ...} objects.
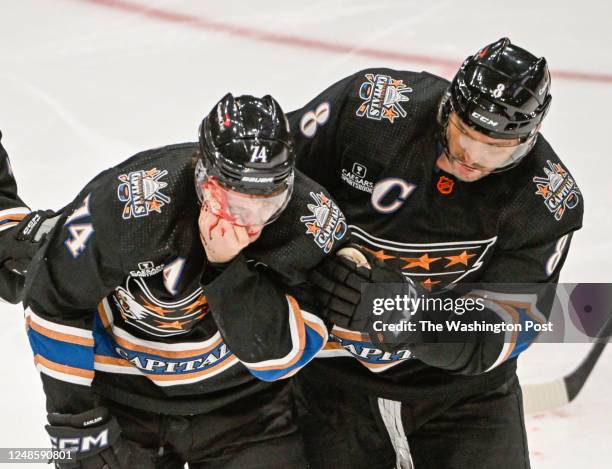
[
  {"x": 326, "y": 222},
  {"x": 142, "y": 192},
  {"x": 382, "y": 97},
  {"x": 558, "y": 189}
]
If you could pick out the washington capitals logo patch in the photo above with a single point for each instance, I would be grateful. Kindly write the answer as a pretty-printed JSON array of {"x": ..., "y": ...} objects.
[
  {"x": 141, "y": 192},
  {"x": 558, "y": 189},
  {"x": 326, "y": 224},
  {"x": 382, "y": 97}
]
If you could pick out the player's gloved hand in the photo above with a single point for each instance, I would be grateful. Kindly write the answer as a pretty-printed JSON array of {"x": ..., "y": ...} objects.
[
  {"x": 338, "y": 280},
  {"x": 93, "y": 438},
  {"x": 20, "y": 244},
  {"x": 221, "y": 239}
]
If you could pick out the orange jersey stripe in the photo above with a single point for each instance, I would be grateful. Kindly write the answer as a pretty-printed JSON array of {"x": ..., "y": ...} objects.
[
  {"x": 14, "y": 216},
  {"x": 333, "y": 346},
  {"x": 350, "y": 335},
  {"x": 9, "y": 224},
  {"x": 102, "y": 314},
  {"x": 69, "y": 370},
  {"x": 377, "y": 365},
  {"x": 71, "y": 339},
  {"x": 509, "y": 307},
  {"x": 112, "y": 361}
]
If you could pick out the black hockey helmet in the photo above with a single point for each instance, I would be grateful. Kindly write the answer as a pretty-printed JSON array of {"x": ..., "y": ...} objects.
[
  {"x": 245, "y": 143},
  {"x": 502, "y": 91}
]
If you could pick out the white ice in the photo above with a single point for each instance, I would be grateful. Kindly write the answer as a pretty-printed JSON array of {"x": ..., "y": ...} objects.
[{"x": 83, "y": 85}]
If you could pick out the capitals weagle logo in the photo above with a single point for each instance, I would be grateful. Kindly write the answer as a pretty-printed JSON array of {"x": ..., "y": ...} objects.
[
  {"x": 326, "y": 224},
  {"x": 141, "y": 309},
  {"x": 141, "y": 192},
  {"x": 433, "y": 265},
  {"x": 383, "y": 96},
  {"x": 558, "y": 189}
]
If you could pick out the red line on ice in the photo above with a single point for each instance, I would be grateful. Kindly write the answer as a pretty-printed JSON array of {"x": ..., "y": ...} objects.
[{"x": 308, "y": 43}]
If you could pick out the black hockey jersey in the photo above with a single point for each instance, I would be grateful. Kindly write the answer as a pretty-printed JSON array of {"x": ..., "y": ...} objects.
[
  {"x": 121, "y": 299},
  {"x": 372, "y": 140},
  {"x": 12, "y": 211}
]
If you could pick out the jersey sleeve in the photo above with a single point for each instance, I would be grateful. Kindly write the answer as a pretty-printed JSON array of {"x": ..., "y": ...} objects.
[
  {"x": 12, "y": 211},
  {"x": 12, "y": 208},
  {"x": 264, "y": 326},
  {"x": 74, "y": 270},
  {"x": 533, "y": 256},
  {"x": 255, "y": 301}
]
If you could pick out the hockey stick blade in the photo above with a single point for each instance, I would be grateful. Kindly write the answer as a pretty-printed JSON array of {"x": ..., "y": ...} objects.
[{"x": 559, "y": 392}]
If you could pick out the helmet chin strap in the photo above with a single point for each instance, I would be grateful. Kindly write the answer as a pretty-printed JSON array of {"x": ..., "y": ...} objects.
[{"x": 443, "y": 108}]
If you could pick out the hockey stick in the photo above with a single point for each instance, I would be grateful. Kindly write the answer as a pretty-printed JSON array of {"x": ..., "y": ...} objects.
[{"x": 557, "y": 393}]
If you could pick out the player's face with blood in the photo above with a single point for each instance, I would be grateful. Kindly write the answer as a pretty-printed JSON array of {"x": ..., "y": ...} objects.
[
  {"x": 247, "y": 210},
  {"x": 472, "y": 155}
]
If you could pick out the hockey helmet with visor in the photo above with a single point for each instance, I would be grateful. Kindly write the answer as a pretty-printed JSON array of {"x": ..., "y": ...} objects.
[
  {"x": 245, "y": 171},
  {"x": 494, "y": 107}
]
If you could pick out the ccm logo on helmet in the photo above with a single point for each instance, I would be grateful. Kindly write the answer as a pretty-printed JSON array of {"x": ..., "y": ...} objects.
[
  {"x": 484, "y": 120},
  {"x": 81, "y": 445}
]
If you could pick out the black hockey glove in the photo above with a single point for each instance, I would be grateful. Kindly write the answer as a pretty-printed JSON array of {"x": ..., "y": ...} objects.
[
  {"x": 20, "y": 244},
  {"x": 92, "y": 437},
  {"x": 338, "y": 280}
]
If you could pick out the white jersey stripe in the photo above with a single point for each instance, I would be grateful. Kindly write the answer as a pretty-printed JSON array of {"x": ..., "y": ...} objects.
[
  {"x": 14, "y": 211},
  {"x": 391, "y": 413},
  {"x": 84, "y": 333},
  {"x": 8, "y": 225},
  {"x": 333, "y": 353},
  {"x": 396, "y": 245},
  {"x": 63, "y": 376}
]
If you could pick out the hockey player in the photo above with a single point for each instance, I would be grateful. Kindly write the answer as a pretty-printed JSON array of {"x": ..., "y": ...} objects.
[
  {"x": 21, "y": 233},
  {"x": 441, "y": 183},
  {"x": 12, "y": 212},
  {"x": 159, "y": 342}
]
